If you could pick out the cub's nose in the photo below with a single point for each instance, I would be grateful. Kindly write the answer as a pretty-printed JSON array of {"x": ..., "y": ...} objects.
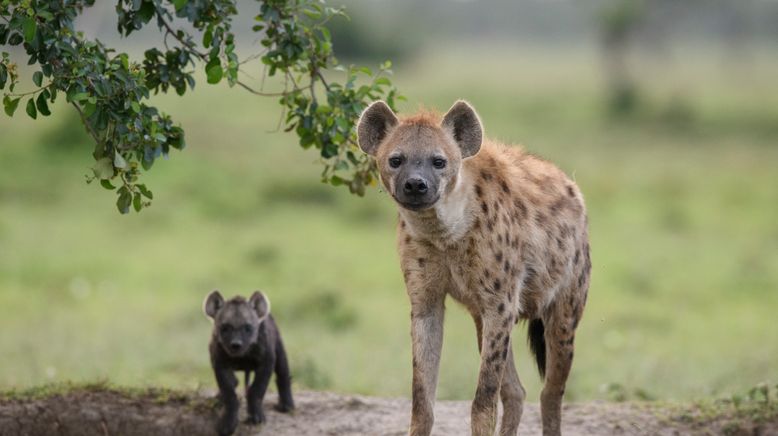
[
  {"x": 415, "y": 186},
  {"x": 235, "y": 346}
]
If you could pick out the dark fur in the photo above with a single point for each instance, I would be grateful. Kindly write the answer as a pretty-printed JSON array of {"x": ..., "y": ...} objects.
[{"x": 260, "y": 357}]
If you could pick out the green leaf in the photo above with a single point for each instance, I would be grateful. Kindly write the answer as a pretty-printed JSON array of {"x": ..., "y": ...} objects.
[
  {"x": 214, "y": 71},
  {"x": 43, "y": 105},
  {"x": 312, "y": 14},
  {"x": 383, "y": 81},
  {"x": 10, "y": 105},
  {"x": 37, "y": 78},
  {"x": 103, "y": 168},
  {"x": 46, "y": 15},
  {"x": 89, "y": 109},
  {"x": 179, "y": 4},
  {"x": 207, "y": 37},
  {"x": 135, "y": 107},
  {"x": 31, "y": 110},
  {"x": 80, "y": 96},
  {"x": 136, "y": 202},
  {"x": 30, "y": 27},
  {"x": 124, "y": 200},
  {"x": 145, "y": 191}
]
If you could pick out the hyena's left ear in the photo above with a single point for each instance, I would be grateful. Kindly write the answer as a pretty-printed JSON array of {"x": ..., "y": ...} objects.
[
  {"x": 374, "y": 125},
  {"x": 213, "y": 302},
  {"x": 465, "y": 126},
  {"x": 260, "y": 303}
]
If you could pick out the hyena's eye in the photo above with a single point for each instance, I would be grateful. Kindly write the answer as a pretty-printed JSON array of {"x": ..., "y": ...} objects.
[
  {"x": 225, "y": 328},
  {"x": 247, "y": 328},
  {"x": 395, "y": 161},
  {"x": 439, "y": 163}
]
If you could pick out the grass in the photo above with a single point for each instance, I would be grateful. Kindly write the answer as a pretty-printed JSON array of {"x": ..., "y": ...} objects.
[
  {"x": 728, "y": 415},
  {"x": 684, "y": 228}
]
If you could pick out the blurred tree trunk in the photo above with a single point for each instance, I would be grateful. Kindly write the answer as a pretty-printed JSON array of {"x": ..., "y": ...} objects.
[{"x": 619, "y": 20}]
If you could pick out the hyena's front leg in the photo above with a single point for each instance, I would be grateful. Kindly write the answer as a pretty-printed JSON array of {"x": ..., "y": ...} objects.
[
  {"x": 427, "y": 334},
  {"x": 495, "y": 347}
]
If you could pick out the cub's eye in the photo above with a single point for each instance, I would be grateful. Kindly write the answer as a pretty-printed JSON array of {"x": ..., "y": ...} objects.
[
  {"x": 226, "y": 328},
  {"x": 247, "y": 328},
  {"x": 395, "y": 161},
  {"x": 439, "y": 162}
]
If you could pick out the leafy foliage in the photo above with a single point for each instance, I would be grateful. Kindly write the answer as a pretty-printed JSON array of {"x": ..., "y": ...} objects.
[{"x": 110, "y": 91}]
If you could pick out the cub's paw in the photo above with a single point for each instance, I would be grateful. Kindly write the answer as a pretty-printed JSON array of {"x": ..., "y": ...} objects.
[
  {"x": 255, "y": 418},
  {"x": 284, "y": 408},
  {"x": 227, "y": 425}
]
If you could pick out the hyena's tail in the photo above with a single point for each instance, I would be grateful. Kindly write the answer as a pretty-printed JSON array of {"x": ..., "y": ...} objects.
[{"x": 537, "y": 343}]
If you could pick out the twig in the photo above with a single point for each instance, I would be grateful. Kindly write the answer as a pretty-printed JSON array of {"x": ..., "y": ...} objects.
[
  {"x": 263, "y": 94},
  {"x": 323, "y": 80},
  {"x": 88, "y": 127},
  {"x": 31, "y": 92}
]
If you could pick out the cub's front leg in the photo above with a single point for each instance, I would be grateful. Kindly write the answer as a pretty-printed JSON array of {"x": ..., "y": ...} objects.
[
  {"x": 227, "y": 382},
  {"x": 256, "y": 393}
]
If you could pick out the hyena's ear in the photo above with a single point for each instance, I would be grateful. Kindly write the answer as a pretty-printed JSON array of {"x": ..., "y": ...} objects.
[
  {"x": 260, "y": 304},
  {"x": 374, "y": 124},
  {"x": 212, "y": 304},
  {"x": 463, "y": 124}
]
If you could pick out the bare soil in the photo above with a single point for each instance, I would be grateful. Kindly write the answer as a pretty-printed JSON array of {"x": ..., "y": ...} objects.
[{"x": 109, "y": 411}]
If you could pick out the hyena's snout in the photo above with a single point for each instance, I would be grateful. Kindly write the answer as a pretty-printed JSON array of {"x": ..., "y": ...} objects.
[{"x": 415, "y": 187}]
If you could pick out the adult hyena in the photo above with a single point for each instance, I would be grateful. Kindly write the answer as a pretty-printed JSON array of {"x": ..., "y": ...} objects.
[{"x": 499, "y": 230}]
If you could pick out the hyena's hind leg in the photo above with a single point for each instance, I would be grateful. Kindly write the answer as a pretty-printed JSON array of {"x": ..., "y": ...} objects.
[
  {"x": 283, "y": 380},
  {"x": 559, "y": 324},
  {"x": 512, "y": 393}
]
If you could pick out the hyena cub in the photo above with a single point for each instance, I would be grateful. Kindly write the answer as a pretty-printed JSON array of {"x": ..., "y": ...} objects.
[
  {"x": 500, "y": 231},
  {"x": 246, "y": 338}
]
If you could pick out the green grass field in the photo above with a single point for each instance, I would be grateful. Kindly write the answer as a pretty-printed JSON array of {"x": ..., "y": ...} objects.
[{"x": 684, "y": 229}]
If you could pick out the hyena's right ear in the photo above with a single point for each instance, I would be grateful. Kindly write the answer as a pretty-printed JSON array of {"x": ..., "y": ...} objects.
[
  {"x": 261, "y": 304},
  {"x": 213, "y": 302},
  {"x": 374, "y": 124}
]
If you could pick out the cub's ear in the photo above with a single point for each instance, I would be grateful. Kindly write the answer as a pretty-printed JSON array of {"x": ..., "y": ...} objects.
[
  {"x": 212, "y": 304},
  {"x": 463, "y": 124},
  {"x": 260, "y": 304},
  {"x": 374, "y": 125}
]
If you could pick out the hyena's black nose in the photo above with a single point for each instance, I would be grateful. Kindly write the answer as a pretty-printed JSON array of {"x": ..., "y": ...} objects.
[
  {"x": 415, "y": 186},
  {"x": 235, "y": 346}
]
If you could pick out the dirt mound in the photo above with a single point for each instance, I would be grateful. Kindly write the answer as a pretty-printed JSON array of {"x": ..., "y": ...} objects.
[{"x": 108, "y": 411}]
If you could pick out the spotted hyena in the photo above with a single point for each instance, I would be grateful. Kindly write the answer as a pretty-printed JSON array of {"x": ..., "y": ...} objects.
[{"x": 499, "y": 230}]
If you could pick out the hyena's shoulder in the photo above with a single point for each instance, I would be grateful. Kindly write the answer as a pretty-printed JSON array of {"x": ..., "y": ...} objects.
[{"x": 535, "y": 186}]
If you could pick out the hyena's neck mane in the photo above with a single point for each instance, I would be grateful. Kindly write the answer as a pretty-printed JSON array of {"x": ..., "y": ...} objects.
[{"x": 446, "y": 223}]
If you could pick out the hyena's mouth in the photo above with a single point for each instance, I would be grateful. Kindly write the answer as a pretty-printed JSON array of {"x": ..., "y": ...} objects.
[{"x": 417, "y": 204}]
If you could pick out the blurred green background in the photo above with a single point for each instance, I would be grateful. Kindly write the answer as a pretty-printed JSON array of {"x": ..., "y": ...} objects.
[{"x": 666, "y": 115}]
